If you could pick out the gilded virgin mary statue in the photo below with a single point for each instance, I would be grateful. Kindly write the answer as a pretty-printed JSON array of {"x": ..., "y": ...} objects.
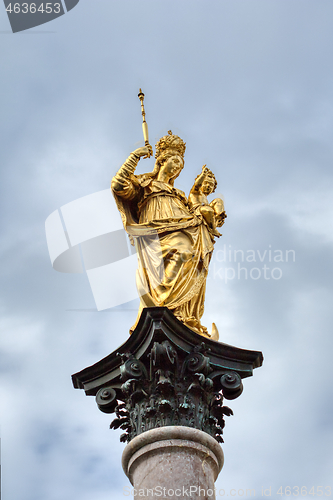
[{"x": 174, "y": 235}]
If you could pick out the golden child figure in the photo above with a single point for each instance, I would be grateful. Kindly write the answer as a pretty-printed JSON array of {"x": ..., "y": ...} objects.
[{"x": 213, "y": 213}]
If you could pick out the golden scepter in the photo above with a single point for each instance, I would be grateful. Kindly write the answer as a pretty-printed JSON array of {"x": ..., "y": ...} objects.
[{"x": 141, "y": 96}]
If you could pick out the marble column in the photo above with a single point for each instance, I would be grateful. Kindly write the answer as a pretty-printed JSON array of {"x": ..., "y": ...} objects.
[{"x": 173, "y": 462}]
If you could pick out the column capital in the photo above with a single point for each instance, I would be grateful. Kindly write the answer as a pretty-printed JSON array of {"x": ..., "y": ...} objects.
[{"x": 166, "y": 375}]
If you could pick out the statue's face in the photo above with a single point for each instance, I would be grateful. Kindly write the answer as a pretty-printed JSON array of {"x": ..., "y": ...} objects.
[
  {"x": 172, "y": 166},
  {"x": 208, "y": 185}
]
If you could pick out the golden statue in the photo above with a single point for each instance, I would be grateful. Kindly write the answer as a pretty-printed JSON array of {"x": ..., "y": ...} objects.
[{"x": 173, "y": 235}]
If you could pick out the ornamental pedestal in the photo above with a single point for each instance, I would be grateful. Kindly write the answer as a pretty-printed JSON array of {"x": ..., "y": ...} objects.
[
  {"x": 173, "y": 462},
  {"x": 167, "y": 385}
]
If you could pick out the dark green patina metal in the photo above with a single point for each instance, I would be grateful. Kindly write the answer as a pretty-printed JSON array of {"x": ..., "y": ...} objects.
[{"x": 164, "y": 374}]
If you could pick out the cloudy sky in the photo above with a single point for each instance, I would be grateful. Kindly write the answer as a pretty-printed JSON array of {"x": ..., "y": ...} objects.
[{"x": 248, "y": 84}]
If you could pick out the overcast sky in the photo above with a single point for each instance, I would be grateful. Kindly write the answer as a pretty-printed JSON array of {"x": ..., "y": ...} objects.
[{"x": 248, "y": 84}]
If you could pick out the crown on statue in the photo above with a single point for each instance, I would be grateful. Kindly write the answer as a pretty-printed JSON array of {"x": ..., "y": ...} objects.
[{"x": 170, "y": 143}]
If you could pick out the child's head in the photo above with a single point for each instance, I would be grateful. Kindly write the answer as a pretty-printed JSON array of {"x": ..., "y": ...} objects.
[{"x": 209, "y": 183}]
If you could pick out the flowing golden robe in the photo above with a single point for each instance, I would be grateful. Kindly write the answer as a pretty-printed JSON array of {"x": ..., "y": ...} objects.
[{"x": 174, "y": 246}]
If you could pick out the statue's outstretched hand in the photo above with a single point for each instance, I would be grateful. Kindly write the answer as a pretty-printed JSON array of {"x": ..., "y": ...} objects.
[
  {"x": 145, "y": 152},
  {"x": 206, "y": 171}
]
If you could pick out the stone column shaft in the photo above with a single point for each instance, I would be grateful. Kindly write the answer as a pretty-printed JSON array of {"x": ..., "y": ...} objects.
[{"x": 173, "y": 462}]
